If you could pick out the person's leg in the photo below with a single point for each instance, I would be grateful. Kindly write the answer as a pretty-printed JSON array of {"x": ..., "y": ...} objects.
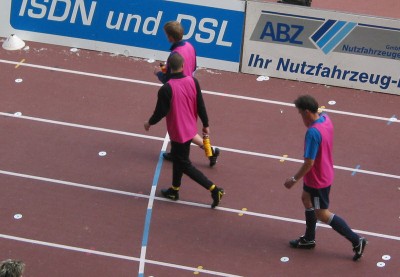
[
  {"x": 183, "y": 165},
  {"x": 186, "y": 166},
  {"x": 179, "y": 153},
  {"x": 311, "y": 219},
  {"x": 337, "y": 223},
  {"x": 198, "y": 140},
  {"x": 308, "y": 240}
]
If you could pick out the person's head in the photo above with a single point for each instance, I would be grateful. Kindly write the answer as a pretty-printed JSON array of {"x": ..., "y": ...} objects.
[
  {"x": 173, "y": 31},
  {"x": 11, "y": 268},
  {"x": 308, "y": 108},
  {"x": 175, "y": 62}
]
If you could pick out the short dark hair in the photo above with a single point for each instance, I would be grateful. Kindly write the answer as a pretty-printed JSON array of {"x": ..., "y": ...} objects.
[
  {"x": 306, "y": 102},
  {"x": 11, "y": 268},
  {"x": 175, "y": 61}
]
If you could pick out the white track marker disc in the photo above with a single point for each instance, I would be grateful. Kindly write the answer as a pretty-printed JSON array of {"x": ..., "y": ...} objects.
[
  {"x": 151, "y": 60},
  {"x": 18, "y": 80},
  {"x": 102, "y": 153},
  {"x": 386, "y": 257},
  {"x": 332, "y": 102},
  {"x": 380, "y": 264},
  {"x": 18, "y": 114},
  {"x": 262, "y": 78},
  {"x": 284, "y": 259},
  {"x": 18, "y": 216},
  {"x": 74, "y": 50}
]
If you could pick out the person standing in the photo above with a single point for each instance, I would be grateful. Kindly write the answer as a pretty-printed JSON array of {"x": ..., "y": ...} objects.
[
  {"x": 174, "y": 32},
  {"x": 180, "y": 100},
  {"x": 318, "y": 174}
]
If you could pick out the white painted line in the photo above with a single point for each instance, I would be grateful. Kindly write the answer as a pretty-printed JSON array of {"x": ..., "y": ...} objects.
[
  {"x": 83, "y": 73},
  {"x": 111, "y": 255},
  {"x": 163, "y": 139},
  {"x": 83, "y": 126},
  {"x": 71, "y": 184},
  {"x": 204, "y": 91},
  {"x": 180, "y": 202}
]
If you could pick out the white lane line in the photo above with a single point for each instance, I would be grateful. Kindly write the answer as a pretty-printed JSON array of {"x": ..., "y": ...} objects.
[
  {"x": 111, "y": 255},
  {"x": 83, "y": 73},
  {"x": 250, "y": 153},
  {"x": 162, "y": 139},
  {"x": 204, "y": 91},
  {"x": 82, "y": 126},
  {"x": 206, "y": 206}
]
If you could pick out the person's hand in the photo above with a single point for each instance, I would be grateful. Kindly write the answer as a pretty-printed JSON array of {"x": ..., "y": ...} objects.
[
  {"x": 147, "y": 126},
  {"x": 289, "y": 183},
  {"x": 206, "y": 131}
]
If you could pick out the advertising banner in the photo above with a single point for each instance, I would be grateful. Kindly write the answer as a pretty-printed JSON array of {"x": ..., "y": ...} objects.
[
  {"x": 323, "y": 47},
  {"x": 131, "y": 27}
]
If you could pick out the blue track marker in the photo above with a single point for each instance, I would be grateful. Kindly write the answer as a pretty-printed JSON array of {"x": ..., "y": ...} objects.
[
  {"x": 355, "y": 171},
  {"x": 393, "y": 118}
]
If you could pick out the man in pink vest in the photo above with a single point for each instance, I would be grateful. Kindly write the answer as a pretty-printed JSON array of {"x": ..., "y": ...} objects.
[
  {"x": 318, "y": 174},
  {"x": 180, "y": 100},
  {"x": 174, "y": 32}
]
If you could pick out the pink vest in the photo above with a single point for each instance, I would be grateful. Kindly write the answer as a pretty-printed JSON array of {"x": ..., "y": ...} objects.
[
  {"x": 182, "y": 117},
  {"x": 189, "y": 54},
  {"x": 321, "y": 174}
]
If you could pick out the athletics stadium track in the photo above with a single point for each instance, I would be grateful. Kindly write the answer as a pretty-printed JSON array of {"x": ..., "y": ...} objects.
[{"x": 89, "y": 215}]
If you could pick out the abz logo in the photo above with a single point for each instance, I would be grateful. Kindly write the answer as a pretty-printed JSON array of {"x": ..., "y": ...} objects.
[{"x": 331, "y": 33}]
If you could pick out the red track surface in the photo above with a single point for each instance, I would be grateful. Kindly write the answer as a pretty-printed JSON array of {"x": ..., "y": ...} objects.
[
  {"x": 382, "y": 8},
  {"x": 84, "y": 215}
]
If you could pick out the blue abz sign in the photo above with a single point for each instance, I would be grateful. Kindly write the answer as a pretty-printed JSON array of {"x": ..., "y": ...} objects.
[{"x": 216, "y": 33}]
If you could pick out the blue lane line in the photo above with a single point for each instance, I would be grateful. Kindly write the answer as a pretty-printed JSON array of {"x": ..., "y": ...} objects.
[
  {"x": 355, "y": 171},
  {"x": 149, "y": 212}
]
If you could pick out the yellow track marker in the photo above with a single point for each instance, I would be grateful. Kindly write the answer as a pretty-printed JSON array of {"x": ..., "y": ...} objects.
[
  {"x": 283, "y": 160},
  {"x": 196, "y": 272},
  {"x": 321, "y": 109},
  {"x": 244, "y": 209},
  {"x": 21, "y": 62}
]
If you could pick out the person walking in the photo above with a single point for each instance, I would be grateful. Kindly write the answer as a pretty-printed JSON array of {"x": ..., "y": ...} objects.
[
  {"x": 174, "y": 33},
  {"x": 180, "y": 100},
  {"x": 318, "y": 174}
]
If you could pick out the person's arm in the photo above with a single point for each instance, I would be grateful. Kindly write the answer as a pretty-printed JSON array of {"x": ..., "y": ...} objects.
[
  {"x": 312, "y": 142},
  {"x": 162, "y": 106},
  {"x": 306, "y": 167},
  {"x": 201, "y": 107}
]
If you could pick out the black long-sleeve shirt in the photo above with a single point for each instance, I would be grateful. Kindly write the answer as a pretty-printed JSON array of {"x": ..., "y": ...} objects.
[{"x": 164, "y": 102}]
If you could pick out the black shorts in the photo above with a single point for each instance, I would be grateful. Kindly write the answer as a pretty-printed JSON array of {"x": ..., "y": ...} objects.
[{"x": 319, "y": 197}]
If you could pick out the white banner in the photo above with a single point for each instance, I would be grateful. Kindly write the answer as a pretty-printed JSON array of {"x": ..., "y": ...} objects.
[{"x": 324, "y": 47}]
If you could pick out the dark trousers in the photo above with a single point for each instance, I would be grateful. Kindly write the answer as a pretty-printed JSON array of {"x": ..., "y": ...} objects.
[{"x": 182, "y": 165}]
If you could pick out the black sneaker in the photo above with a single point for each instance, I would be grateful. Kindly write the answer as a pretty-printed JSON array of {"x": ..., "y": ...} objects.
[
  {"x": 216, "y": 195},
  {"x": 359, "y": 249},
  {"x": 167, "y": 157},
  {"x": 170, "y": 194},
  {"x": 213, "y": 158},
  {"x": 302, "y": 243}
]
